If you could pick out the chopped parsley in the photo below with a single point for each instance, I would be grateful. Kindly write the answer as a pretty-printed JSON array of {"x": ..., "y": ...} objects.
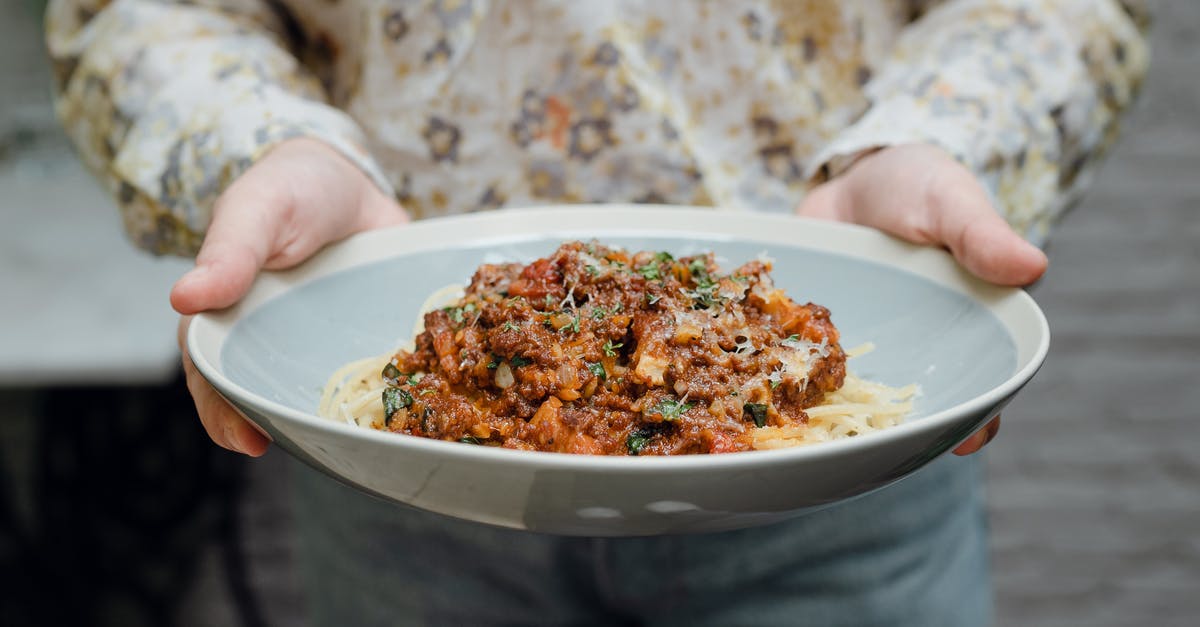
[
  {"x": 510, "y": 326},
  {"x": 670, "y": 409},
  {"x": 415, "y": 378},
  {"x": 639, "y": 438},
  {"x": 653, "y": 298},
  {"x": 519, "y": 361},
  {"x": 426, "y": 392},
  {"x": 650, "y": 272},
  {"x": 592, "y": 270},
  {"x": 758, "y": 413},
  {"x": 663, "y": 256},
  {"x": 707, "y": 292},
  {"x": 598, "y": 370},
  {"x": 599, "y": 313},
  {"x": 394, "y": 399},
  {"x": 610, "y": 349},
  {"x": 573, "y": 325},
  {"x": 457, "y": 313},
  {"x": 705, "y": 295}
]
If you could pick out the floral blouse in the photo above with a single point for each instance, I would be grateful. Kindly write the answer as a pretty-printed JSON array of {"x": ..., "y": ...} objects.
[{"x": 466, "y": 105}]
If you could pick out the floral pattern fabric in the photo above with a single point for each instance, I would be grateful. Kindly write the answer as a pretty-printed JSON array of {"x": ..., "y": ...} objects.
[{"x": 466, "y": 105}]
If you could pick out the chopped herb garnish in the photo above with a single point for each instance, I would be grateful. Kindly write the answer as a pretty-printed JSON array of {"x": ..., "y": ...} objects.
[
  {"x": 598, "y": 370},
  {"x": 493, "y": 363},
  {"x": 740, "y": 278},
  {"x": 639, "y": 438},
  {"x": 548, "y": 300},
  {"x": 610, "y": 349},
  {"x": 394, "y": 399},
  {"x": 663, "y": 256},
  {"x": 705, "y": 295},
  {"x": 573, "y": 325},
  {"x": 470, "y": 439},
  {"x": 775, "y": 383},
  {"x": 798, "y": 343},
  {"x": 519, "y": 361},
  {"x": 599, "y": 313},
  {"x": 592, "y": 270},
  {"x": 426, "y": 392},
  {"x": 650, "y": 272},
  {"x": 670, "y": 409},
  {"x": 510, "y": 326},
  {"x": 456, "y": 313},
  {"x": 653, "y": 298},
  {"x": 391, "y": 372},
  {"x": 415, "y": 378},
  {"x": 758, "y": 413}
]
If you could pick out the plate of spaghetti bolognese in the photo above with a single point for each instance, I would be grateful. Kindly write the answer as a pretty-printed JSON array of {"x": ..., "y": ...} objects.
[{"x": 621, "y": 370}]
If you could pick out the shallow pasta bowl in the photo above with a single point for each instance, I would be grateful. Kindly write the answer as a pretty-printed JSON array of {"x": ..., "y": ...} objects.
[{"x": 970, "y": 346}]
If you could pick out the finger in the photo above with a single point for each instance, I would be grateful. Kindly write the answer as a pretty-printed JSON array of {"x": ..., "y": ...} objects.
[
  {"x": 235, "y": 248},
  {"x": 964, "y": 220},
  {"x": 221, "y": 422},
  {"x": 824, "y": 202},
  {"x": 980, "y": 438}
]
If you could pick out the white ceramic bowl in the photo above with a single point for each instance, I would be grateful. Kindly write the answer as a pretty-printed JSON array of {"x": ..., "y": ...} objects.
[{"x": 970, "y": 346}]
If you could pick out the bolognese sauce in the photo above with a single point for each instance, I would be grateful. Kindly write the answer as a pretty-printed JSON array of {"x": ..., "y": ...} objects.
[{"x": 596, "y": 350}]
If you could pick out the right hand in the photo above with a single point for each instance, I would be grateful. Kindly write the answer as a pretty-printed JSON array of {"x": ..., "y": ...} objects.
[{"x": 296, "y": 199}]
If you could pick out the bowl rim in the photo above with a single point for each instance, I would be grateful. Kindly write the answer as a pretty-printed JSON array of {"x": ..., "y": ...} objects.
[{"x": 208, "y": 331}]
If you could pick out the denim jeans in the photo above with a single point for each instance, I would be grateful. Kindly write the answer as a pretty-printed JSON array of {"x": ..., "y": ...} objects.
[{"x": 914, "y": 553}]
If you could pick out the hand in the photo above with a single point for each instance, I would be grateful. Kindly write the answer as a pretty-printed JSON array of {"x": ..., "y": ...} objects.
[
  {"x": 299, "y": 197},
  {"x": 919, "y": 193}
]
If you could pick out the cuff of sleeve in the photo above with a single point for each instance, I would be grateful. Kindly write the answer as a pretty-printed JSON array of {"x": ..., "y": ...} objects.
[
  {"x": 1020, "y": 189},
  {"x": 891, "y": 123},
  {"x": 177, "y": 159}
]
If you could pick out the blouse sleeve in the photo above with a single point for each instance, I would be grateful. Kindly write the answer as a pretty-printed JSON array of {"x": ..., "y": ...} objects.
[
  {"x": 168, "y": 102},
  {"x": 1026, "y": 93}
]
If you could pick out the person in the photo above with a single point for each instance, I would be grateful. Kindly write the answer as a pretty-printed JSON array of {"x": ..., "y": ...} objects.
[{"x": 253, "y": 132}]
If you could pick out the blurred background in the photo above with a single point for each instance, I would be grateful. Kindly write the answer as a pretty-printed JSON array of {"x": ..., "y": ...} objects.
[{"x": 115, "y": 509}]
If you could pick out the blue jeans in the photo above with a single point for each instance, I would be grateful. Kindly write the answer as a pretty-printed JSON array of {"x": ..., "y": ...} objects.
[{"x": 912, "y": 554}]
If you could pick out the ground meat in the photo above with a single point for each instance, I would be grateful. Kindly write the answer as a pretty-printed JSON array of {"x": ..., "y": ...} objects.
[{"x": 595, "y": 350}]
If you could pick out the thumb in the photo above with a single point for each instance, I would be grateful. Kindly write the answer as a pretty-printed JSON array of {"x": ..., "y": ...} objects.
[
  {"x": 962, "y": 218},
  {"x": 235, "y": 248}
]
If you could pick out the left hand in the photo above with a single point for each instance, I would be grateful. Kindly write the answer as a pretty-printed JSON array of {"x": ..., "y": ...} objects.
[{"x": 919, "y": 193}]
